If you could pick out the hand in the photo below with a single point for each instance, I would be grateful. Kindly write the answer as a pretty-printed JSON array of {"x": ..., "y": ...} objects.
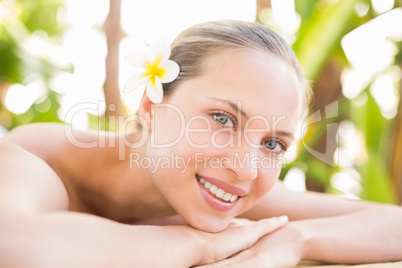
[
  {"x": 282, "y": 248},
  {"x": 239, "y": 236}
]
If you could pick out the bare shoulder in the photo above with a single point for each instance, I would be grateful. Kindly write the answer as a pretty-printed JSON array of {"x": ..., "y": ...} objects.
[
  {"x": 37, "y": 161},
  {"x": 47, "y": 139},
  {"x": 55, "y": 143}
]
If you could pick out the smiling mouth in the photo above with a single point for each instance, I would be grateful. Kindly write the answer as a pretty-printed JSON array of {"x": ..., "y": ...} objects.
[{"x": 216, "y": 191}]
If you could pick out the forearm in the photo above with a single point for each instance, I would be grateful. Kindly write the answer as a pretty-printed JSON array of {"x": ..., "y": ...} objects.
[
  {"x": 76, "y": 240},
  {"x": 370, "y": 235}
]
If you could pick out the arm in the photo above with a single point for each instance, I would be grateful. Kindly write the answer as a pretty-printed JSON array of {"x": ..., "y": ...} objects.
[
  {"x": 370, "y": 235},
  {"x": 326, "y": 228},
  {"x": 340, "y": 230},
  {"x": 66, "y": 239},
  {"x": 367, "y": 236}
]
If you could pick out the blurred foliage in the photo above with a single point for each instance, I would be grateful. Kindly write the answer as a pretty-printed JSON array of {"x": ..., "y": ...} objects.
[
  {"x": 20, "y": 21},
  {"x": 321, "y": 31},
  {"x": 40, "y": 15},
  {"x": 323, "y": 25}
]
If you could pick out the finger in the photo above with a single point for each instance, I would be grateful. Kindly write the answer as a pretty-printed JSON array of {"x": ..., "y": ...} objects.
[
  {"x": 257, "y": 261},
  {"x": 238, "y": 238},
  {"x": 240, "y": 260},
  {"x": 252, "y": 232},
  {"x": 222, "y": 263},
  {"x": 271, "y": 224}
]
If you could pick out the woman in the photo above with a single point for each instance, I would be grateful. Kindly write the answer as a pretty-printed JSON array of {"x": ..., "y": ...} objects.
[{"x": 209, "y": 152}]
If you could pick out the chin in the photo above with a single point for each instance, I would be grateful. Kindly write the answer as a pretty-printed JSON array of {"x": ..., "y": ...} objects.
[{"x": 211, "y": 225}]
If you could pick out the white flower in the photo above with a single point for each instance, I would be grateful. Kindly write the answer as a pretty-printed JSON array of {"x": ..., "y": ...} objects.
[{"x": 156, "y": 68}]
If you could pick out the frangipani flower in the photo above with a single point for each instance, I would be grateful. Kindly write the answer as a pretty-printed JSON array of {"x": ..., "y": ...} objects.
[{"x": 156, "y": 68}]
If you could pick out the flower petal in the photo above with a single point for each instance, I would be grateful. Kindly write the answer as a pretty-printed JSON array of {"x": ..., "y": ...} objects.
[
  {"x": 154, "y": 90},
  {"x": 137, "y": 59},
  {"x": 135, "y": 81},
  {"x": 172, "y": 70},
  {"x": 160, "y": 48}
]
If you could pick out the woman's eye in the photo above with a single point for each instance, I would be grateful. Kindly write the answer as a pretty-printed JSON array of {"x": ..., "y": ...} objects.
[
  {"x": 272, "y": 145},
  {"x": 224, "y": 120}
]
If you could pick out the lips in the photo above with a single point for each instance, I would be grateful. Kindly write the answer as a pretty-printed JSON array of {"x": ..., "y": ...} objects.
[
  {"x": 224, "y": 186},
  {"x": 216, "y": 191},
  {"x": 219, "y": 195}
]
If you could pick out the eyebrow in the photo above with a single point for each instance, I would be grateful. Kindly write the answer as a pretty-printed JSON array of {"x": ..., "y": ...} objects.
[
  {"x": 243, "y": 113},
  {"x": 286, "y": 134},
  {"x": 233, "y": 105}
]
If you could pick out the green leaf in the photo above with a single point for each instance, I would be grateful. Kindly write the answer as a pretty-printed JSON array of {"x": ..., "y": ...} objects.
[
  {"x": 305, "y": 8},
  {"x": 376, "y": 181},
  {"x": 321, "y": 33}
]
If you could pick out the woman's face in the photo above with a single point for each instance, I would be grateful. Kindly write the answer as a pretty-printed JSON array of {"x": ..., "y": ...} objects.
[{"x": 220, "y": 137}]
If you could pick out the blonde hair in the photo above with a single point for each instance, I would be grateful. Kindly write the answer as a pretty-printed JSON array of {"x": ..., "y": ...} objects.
[{"x": 194, "y": 45}]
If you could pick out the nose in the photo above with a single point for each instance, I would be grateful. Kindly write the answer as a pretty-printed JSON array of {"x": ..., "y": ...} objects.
[{"x": 245, "y": 163}]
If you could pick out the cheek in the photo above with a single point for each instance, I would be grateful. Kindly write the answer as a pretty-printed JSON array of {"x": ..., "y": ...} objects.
[
  {"x": 261, "y": 186},
  {"x": 167, "y": 126},
  {"x": 198, "y": 132},
  {"x": 266, "y": 181}
]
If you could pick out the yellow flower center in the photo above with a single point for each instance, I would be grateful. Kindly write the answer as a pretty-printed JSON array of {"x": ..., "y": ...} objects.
[{"x": 152, "y": 69}]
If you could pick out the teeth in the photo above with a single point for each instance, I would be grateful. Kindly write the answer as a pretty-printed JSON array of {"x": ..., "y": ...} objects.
[
  {"x": 217, "y": 192},
  {"x": 220, "y": 193},
  {"x": 227, "y": 197},
  {"x": 233, "y": 198},
  {"x": 213, "y": 189}
]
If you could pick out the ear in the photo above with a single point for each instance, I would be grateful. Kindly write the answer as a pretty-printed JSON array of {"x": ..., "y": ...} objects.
[{"x": 145, "y": 110}]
